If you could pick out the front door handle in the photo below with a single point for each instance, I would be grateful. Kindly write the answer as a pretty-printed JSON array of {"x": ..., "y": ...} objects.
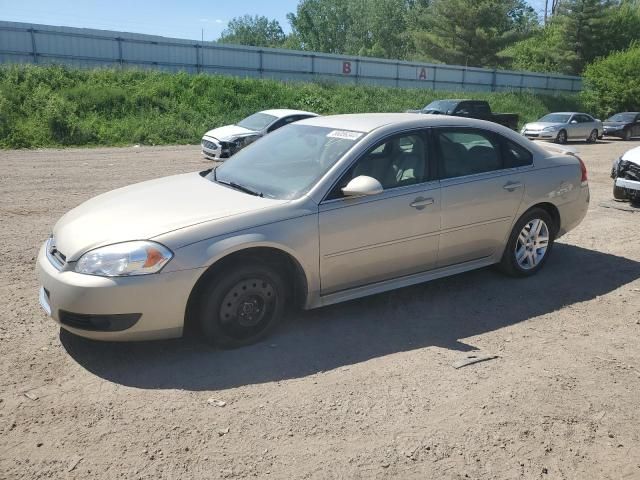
[
  {"x": 419, "y": 203},
  {"x": 511, "y": 186}
]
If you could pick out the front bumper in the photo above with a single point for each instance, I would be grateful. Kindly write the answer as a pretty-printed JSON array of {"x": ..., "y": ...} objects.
[
  {"x": 613, "y": 132},
  {"x": 540, "y": 134},
  {"x": 212, "y": 149},
  {"x": 628, "y": 184},
  {"x": 145, "y": 307}
]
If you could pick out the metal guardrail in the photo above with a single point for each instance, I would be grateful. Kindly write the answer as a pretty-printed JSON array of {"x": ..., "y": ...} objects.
[{"x": 60, "y": 45}]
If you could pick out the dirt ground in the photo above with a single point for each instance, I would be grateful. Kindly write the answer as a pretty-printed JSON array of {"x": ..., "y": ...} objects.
[{"x": 364, "y": 390}]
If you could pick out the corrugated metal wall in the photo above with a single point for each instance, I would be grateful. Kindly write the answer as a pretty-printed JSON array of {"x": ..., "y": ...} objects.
[{"x": 44, "y": 44}]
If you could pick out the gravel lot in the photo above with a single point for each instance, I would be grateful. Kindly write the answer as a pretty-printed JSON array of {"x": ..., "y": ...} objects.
[{"x": 364, "y": 389}]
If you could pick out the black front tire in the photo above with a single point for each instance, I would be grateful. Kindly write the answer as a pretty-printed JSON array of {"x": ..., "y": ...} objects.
[
  {"x": 509, "y": 263},
  {"x": 241, "y": 305},
  {"x": 562, "y": 137}
]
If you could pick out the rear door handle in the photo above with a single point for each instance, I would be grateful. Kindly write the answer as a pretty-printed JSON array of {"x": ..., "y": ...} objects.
[
  {"x": 420, "y": 202},
  {"x": 511, "y": 186}
]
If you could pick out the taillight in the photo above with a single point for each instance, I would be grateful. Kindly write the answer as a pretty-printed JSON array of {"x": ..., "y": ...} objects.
[{"x": 584, "y": 179}]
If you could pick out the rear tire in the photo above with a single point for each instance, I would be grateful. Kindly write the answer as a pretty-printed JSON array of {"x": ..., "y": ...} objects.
[
  {"x": 529, "y": 245},
  {"x": 562, "y": 137},
  {"x": 593, "y": 136},
  {"x": 619, "y": 193},
  {"x": 241, "y": 305}
]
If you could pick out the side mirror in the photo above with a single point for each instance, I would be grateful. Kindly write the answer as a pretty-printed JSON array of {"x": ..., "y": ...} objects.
[
  {"x": 573, "y": 121},
  {"x": 362, "y": 186}
]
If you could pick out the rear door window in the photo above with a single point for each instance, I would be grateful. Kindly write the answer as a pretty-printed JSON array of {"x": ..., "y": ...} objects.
[{"x": 467, "y": 152}]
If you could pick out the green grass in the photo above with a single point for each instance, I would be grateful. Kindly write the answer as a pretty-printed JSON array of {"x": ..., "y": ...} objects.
[{"x": 58, "y": 106}]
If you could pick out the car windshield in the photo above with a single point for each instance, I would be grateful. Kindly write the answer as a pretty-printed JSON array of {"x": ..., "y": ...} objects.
[
  {"x": 555, "y": 118},
  {"x": 441, "y": 106},
  {"x": 286, "y": 163},
  {"x": 257, "y": 121},
  {"x": 622, "y": 117}
]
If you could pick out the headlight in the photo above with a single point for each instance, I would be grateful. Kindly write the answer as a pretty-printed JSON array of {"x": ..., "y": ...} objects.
[
  {"x": 549, "y": 129},
  {"x": 124, "y": 259}
]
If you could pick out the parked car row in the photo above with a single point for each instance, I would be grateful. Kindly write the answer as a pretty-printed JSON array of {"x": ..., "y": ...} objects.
[{"x": 560, "y": 127}]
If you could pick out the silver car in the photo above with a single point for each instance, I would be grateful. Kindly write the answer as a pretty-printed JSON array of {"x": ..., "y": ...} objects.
[
  {"x": 322, "y": 211},
  {"x": 222, "y": 142},
  {"x": 564, "y": 126}
]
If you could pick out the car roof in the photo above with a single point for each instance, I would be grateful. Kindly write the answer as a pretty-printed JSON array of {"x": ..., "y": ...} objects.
[
  {"x": 285, "y": 112},
  {"x": 567, "y": 113},
  {"x": 367, "y": 122}
]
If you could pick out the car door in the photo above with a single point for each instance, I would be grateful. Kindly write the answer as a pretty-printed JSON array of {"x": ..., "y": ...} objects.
[
  {"x": 373, "y": 238},
  {"x": 574, "y": 128},
  {"x": 589, "y": 124},
  {"x": 480, "y": 193},
  {"x": 635, "y": 126}
]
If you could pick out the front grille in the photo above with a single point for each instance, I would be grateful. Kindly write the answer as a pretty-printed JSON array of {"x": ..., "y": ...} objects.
[
  {"x": 209, "y": 145},
  {"x": 99, "y": 323},
  {"x": 629, "y": 170}
]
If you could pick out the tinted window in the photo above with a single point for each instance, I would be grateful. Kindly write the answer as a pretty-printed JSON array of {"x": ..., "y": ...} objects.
[
  {"x": 257, "y": 121},
  {"x": 467, "y": 152},
  {"x": 622, "y": 117},
  {"x": 441, "y": 106},
  {"x": 465, "y": 108},
  {"x": 515, "y": 155},
  {"x": 396, "y": 162},
  {"x": 482, "y": 108},
  {"x": 555, "y": 118}
]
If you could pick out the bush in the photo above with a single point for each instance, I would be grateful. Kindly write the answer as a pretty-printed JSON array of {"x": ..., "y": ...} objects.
[
  {"x": 55, "y": 106},
  {"x": 612, "y": 84}
]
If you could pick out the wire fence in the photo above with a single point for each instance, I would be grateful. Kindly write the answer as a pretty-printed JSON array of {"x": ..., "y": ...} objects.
[{"x": 87, "y": 48}]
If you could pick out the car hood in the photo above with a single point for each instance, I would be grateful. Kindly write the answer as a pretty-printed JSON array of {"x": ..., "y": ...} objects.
[
  {"x": 146, "y": 210},
  {"x": 632, "y": 156},
  {"x": 229, "y": 132},
  {"x": 541, "y": 125}
]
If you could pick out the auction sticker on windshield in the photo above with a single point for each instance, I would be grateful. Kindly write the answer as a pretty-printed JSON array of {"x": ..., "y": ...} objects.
[{"x": 347, "y": 134}]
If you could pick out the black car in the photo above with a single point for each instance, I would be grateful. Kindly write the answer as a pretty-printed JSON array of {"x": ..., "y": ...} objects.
[
  {"x": 623, "y": 125},
  {"x": 479, "y": 109}
]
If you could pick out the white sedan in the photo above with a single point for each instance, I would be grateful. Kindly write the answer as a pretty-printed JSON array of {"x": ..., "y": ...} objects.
[{"x": 222, "y": 142}]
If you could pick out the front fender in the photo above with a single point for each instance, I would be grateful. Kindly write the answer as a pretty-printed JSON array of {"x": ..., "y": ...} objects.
[{"x": 297, "y": 237}]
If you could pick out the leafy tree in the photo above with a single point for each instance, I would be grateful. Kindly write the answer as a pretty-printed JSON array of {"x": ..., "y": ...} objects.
[
  {"x": 611, "y": 83},
  {"x": 321, "y": 25},
  {"x": 471, "y": 32},
  {"x": 544, "y": 51},
  {"x": 257, "y": 31},
  {"x": 354, "y": 27},
  {"x": 583, "y": 23},
  {"x": 580, "y": 32}
]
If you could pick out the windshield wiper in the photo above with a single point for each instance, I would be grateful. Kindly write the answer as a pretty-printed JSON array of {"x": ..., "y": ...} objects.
[{"x": 241, "y": 188}]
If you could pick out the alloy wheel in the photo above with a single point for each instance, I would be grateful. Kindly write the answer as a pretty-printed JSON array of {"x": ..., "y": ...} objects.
[{"x": 532, "y": 244}]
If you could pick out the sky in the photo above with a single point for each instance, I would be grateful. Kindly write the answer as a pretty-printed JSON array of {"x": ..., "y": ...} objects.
[{"x": 180, "y": 19}]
